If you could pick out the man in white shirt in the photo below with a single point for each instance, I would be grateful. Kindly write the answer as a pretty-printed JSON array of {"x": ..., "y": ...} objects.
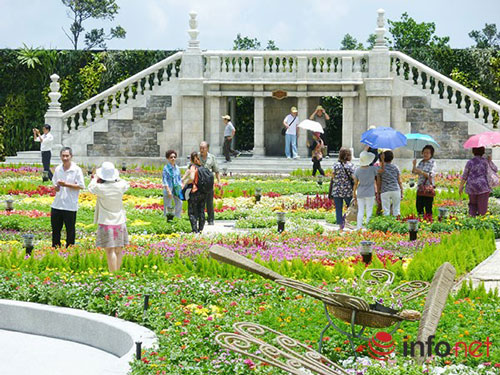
[
  {"x": 68, "y": 181},
  {"x": 46, "y": 140},
  {"x": 292, "y": 132},
  {"x": 229, "y": 132}
]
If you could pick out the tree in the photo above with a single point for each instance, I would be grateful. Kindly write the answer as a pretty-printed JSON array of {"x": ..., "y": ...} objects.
[
  {"x": 409, "y": 35},
  {"x": 246, "y": 43},
  {"x": 81, "y": 10},
  {"x": 488, "y": 37},
  {"x": 350, "y": 43}
]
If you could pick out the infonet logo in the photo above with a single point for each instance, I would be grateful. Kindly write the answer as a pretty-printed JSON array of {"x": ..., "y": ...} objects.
[{"x": 381, "y": 345}]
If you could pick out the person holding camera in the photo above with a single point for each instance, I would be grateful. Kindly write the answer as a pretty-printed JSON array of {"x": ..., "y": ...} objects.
[
  {"x": 46, "y": 139},
  {"x": 109, "y": 213}
]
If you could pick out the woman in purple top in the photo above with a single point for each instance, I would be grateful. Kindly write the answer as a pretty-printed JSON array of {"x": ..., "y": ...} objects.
[{"x": 476, "y": 176}]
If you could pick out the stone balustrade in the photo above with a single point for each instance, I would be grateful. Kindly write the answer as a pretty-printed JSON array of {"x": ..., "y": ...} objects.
[
  {"x": 109, "y": 101},
  {"x": 285, "y": 65},
  {"x": 442, "y": 87}
]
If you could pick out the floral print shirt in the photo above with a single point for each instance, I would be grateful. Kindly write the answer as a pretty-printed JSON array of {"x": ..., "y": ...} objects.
[
  {"x": 429, "y": 167},
  {"x": 476, "y": 175},
  {"x": 342, "y": 185}
]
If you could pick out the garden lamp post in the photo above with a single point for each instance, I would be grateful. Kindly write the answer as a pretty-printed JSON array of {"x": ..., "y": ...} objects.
[
  {"x": 258, "y": 194},
  {"x": 124, "y": 166},
  {"x": 280, "y": 218},
  {"x": 413, "y": 229},
  {"x": 138, "y": 350},
  {"x": 411, "y": 182},
  {"x": 9, "y": 204},
  {"x": 170, "y": 213},
  {"x": 366, "y": 251},
  {"x": 45, "y": 176},
  {"x": 224, "y": 171},
  {"x": 28, "y": 242},
  {"x": 443, "y": 213}
]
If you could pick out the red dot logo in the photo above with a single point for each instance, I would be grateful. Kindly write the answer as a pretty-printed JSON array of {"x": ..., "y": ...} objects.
[{"x": 381, "y": 345}]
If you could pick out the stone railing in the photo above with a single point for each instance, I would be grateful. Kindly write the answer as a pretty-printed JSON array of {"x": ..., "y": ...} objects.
[
  {"x": 465, "y": 100},
  {"x": 285, "y": 65},
  {"x": 109, "y": 101}
]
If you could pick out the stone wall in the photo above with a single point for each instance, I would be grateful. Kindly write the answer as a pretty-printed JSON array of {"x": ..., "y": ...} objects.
[
  {"x": 274, "y": 113},
  {"x": 136, "y": 137}
]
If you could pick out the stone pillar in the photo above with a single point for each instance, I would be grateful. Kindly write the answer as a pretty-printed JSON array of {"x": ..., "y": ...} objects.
[
  {"x": 379, "y": 84},
  {"x": 53, "y": 116},
  {"x": 347, "y": 122},
  {"x": 302, "y": 139},
  {"x": 192, "y": 92},
  {"x": 217, "y": 110},
  {"x": 258, "y": 127}
]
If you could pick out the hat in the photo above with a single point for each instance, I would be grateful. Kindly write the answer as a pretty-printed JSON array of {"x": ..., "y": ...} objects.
[
  {"x": 365, "y": 158},
  {"x": 319, "y": 107},
  {"x": 107, "y": 172},
  {"x": 293, "y": 109},
  {"x": 226, "y": 117}
]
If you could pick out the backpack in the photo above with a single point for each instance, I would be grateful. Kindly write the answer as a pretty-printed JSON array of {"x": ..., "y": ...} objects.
[{"x": 205, "y": 180}]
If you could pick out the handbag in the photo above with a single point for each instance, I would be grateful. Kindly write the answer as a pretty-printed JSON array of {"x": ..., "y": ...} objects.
[
  {"x": 283, "y": 131},
  {"x": 352, "y": 212},
  {"x": 426, "y": 190},
  {"x": 493, "y": 180}
]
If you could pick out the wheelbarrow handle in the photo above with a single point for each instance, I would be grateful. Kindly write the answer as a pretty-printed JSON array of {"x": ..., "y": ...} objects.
[{"x": 230, "y": 257}]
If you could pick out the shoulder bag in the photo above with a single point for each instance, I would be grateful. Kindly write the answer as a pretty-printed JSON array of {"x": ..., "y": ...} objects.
[
  {"x": 284, "y": 129},
  {"x": 425, "y": 190},
  {"x": 493, "y": 180}
]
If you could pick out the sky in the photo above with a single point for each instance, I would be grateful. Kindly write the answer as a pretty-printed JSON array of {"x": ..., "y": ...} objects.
[{"x": 292, "y": 24}]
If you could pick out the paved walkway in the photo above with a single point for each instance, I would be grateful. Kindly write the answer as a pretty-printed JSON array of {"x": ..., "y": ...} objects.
[
  {"x": 487, "y": 272},
  {"x": 25, "y": 354}
]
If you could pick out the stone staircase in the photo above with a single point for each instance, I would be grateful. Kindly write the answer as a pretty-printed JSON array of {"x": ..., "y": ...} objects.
[{"x": 136, "y": 137}]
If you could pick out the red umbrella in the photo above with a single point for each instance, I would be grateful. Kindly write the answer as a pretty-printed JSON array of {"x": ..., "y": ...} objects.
[{"x": 486, "y": 139}]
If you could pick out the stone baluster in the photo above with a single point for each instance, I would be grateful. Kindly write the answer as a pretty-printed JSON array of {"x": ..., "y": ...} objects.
[
  {"x": 275, "y": 64},
  {"x": 489, "y": 117},
  {"x": 165, "y": 74},
  {"x": 78, "y": 117},
  {"x": 309, "y": 65},
  {"x": 258, "y": 65},
  {"x": 250, "y": 65},
  {"x": 357, "y": 64},
  {"x": 419, "y": 78},
  {"x": 156, "y": 80},
  {"x": 149, "y": 81}
]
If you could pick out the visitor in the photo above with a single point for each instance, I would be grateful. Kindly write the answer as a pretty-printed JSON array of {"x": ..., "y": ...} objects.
[
  {"x": 196, "y": 200},
  {"x": 209, "y": 161},
  {"x": 109, "y": 213},
  {"x": 342, "y": 183},
  {"x": 292, "y": 132},
  {"x": 172, "y": 186},
  {"x": 316, "y": 148},
  {"x": 320, "y": 115},
  {"x": 68, "y": 181},
  {"x": 46, "y": 140},
  {"x": 425, "y": 171},
  {"x": 389, "y": 185},
  {"x": 229, "y": 132},
  {"x": 476, "y": 177},
  {"x": 364, "y": 187}
]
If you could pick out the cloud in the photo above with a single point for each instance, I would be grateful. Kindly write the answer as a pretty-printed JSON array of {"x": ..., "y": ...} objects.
[{"x": 156, "y": 11}]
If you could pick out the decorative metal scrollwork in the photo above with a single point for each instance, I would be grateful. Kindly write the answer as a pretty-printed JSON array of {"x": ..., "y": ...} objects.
[
  {"x": 379, "y": 277},
  {"x": 411, "y": 290},
  {"x": 253, "y": 340}
]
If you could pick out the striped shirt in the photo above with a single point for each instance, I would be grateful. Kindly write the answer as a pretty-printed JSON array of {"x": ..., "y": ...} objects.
[
  {"x": 390, "y": 178},
  {"x": 429, "y": 167}
]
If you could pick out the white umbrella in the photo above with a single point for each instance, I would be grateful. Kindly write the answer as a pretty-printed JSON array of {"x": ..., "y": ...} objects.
[{"x": 312, "y": 126}]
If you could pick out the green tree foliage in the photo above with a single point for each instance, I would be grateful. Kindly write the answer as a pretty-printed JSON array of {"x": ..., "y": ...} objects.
[
  {"x": 80, "y": 11},
  {"x": 488, "y": 37},
  {"x": 2, "y": 134},
  {"x": 350, "y": 43},
  {"x": 246, "y": 43},
  {"x": 409, "y": 35}
]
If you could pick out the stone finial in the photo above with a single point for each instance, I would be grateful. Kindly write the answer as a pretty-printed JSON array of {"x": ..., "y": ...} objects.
[
  {"x": 380, "y": 30},
  {"x": 193, "y": 32},
  {"x": 54, "y": 93}
]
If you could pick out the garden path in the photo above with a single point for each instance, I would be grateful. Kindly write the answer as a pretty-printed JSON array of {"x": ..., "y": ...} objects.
[
  {"x": 227, "y": 226},
  {"x": 25, "y": 354},
  {"x": 487, "y": 272}
]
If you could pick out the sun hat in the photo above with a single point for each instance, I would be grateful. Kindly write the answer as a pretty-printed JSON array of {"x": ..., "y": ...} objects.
[
  {"x": 319, "y": 107},
  {"x": 365, "y": 158},
  {"x": 293, "y": 109},
  {"x": 107, "y": 172},
  {"x": 226, "y": 117}
]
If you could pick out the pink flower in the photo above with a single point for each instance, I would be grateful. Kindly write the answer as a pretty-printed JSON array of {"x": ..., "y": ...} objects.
[{"x": 249, "y": 363}]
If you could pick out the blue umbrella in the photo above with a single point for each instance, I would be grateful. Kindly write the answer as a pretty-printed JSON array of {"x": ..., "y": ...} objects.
[
  {"x": 417, "y": 141},
  {"x": 383, "y": 137}
]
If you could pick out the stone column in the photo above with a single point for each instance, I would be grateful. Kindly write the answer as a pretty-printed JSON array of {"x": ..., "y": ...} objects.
[
  {"x": 53, "y": 116},
  {"x": 302, "y": 139},
  {"x": 216, "y": 112},
  {"x": 347, "y": 122},
  {"x": 379, "y": 84},
  {"x": 258, "y": 127}
]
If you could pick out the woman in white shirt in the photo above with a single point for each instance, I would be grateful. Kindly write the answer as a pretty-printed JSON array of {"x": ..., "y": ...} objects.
[
  {"x": 109, "y": 214},
  {"x": 46, "y": 139}
]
